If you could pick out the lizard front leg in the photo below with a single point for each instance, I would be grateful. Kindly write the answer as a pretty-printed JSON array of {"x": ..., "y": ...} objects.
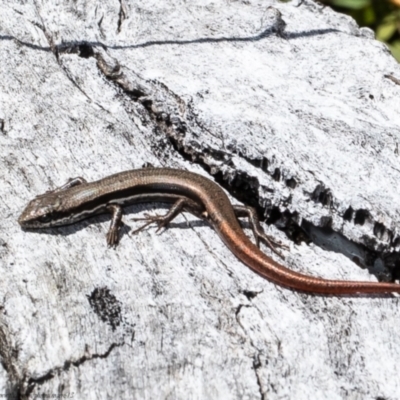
[{"x": 112, "y": 234}]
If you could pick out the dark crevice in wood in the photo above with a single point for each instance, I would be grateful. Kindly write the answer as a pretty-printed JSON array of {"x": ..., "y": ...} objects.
[{"x": 171, "y": 130}]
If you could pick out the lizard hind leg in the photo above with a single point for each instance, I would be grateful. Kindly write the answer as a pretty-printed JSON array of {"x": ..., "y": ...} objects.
[
  {"x": 182, "y": 204},
  {"x": 258, "y": 231}
]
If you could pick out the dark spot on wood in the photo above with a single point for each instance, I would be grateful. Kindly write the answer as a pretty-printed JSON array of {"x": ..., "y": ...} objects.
[
  {"x": 379, "y": 230},
  {"x": 264, "y": 164},
  {"x": 276, "y": 176},
  {"x": 261, "y": 163},
  {"x": 250, "y": 294},
  {"x": 322, "y": 195},
  {"x": 293, "y": 230},
  {"x": 274, "y": 216},
  {"x": 106, "y": 306},
  {"x": 85, "y": 50},
  {"x": 291, "y": 182},
  {"x": 361, "y": 217},
  {"x": 136, "y": 94},
  {"x": 348, "y": 215}
]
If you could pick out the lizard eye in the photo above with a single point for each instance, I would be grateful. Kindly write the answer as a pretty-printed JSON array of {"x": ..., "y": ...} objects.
[{"x": 45, "y": 218}]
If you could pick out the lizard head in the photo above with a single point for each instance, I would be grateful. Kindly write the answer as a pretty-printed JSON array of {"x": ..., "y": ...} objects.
[{"x": 43, "y": 211}]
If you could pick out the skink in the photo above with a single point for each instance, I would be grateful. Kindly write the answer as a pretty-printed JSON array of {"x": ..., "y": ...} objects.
[{"x": 78, "y": 199}]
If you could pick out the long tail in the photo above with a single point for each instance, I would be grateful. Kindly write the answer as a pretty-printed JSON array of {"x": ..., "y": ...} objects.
[{"x": 247, "y": 252}]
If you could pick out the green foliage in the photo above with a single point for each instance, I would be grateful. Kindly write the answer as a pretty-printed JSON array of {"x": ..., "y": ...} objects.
[
  {"x": 351, "y": 4},
  {"x": 383, "y": 16}
]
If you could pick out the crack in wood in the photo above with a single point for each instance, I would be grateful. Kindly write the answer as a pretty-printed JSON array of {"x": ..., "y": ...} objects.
[
  {"x": 219, "y": 163},
  {"x": 122, "y": 15},
  {"x": 28, "y": 384}
]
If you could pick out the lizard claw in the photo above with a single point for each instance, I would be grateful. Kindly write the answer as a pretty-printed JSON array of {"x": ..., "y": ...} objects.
[
  {"x": 160, "y": 220},
  {"x": 112, "y": 238}
]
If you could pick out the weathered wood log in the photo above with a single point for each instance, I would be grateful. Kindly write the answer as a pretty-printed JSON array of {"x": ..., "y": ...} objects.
[{"x": 291, "y": 107}]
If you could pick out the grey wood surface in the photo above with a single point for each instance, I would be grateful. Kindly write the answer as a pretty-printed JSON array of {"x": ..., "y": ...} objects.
[{"x": 291, "y": 107}]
